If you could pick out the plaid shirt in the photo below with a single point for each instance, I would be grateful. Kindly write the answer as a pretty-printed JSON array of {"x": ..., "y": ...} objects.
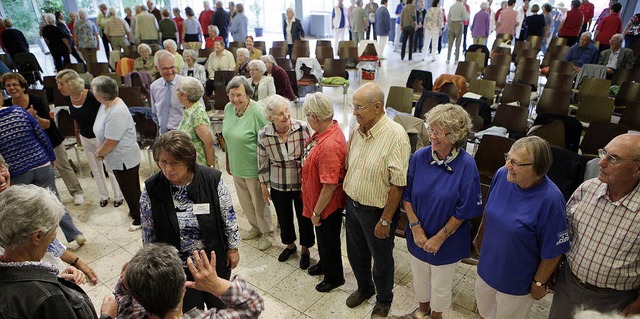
[
  {"x": 279, "y": 164},
  {"x": 605, "y": 237}
]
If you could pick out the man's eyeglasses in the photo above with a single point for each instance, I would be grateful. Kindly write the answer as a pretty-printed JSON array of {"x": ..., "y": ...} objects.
[
  {"x": 359, "y": 108},
  {"x": 611, "y": 159},
  {"x": 513, "y": 162}
]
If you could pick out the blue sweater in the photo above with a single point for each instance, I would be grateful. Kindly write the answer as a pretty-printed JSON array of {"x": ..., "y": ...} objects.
[{"x": 24, "y": 145}]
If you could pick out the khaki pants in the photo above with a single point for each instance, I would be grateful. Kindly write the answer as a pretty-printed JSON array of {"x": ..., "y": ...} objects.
[
  {"x": 66, "y": 172},
  {"x": 119, "y": 42},
  {"x": 250, "y": 196},
  {"x": 195, "y": 46},
  {"x": 89, "y": 55},
  {"x": 480, "y": 40},
  {"x": 455, "y": 34}
]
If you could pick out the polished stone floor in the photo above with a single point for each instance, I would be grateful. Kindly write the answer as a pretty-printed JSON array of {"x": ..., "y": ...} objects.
[{"x": 288, "y": 291}]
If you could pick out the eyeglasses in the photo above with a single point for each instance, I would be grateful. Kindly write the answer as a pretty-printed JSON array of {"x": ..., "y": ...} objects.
[
  {"x": 281, "y": 115},
  {"x": 513, "y": 162},
  {"x": 237, "y": 95},
  {"x": 612, "y": 159},
  {"x": 438, "y": 134},
  {"x": 170, "y": 68},
  {"x": 359, "y": 108},
  {"x": 254, "y": 70},
  {"x": 163, "y": 164}
]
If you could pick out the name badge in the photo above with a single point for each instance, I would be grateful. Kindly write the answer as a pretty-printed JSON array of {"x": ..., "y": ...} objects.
[{"x": 200, "y": 209}]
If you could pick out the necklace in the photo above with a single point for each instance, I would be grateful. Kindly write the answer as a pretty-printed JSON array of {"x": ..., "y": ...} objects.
[
  {"x": 78, "y": 99},
  {"x": 241, "y": 113}
]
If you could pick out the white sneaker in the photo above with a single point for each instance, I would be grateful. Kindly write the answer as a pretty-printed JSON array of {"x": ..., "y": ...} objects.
[
  {"x": 80, "y": 240},
  {"x": 250, "y": 234},
  {"x": 78, "y": 199},
  {"x": 265, "y": 242}
]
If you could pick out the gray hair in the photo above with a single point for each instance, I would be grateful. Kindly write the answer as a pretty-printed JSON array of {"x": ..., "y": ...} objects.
[
  {"x": 539, "y": 151},
  {"x": 592, "y": 314},
  {"x": 259, "y": 64},
  {"x": 586, "y": 33},
  {"x": 272, "y": 103},
  {"x": 82, "y": 14},
  {"x": 143, "y": 8},
  {"x": 214, "y": 28},
  {"x": 319, "y": 105},
  {"x": 105, "y": 87},
  {"x": 143, "y": 46},
  {"x": 451, "y": 117},
  {"x": 71, "y": 79},
  {"x": 244, "y": 52},
  {"x": 155, "y": 278},
  {"x": 269, "y": 58},
  {"x": 112, "y": 12},
  {"x": 190, "y": 53},
  {"x": 49, "y": 18},
  {"x": 170, "y": 43},
  {"x": 25, "y": 209},
  {"x": 238, "y": 81},
  {"x": 618, "y": 36},
  {"x": 161, "y": 55},
  {"x": 191, "y": 87},
  {"x": 483, "y": 6}
]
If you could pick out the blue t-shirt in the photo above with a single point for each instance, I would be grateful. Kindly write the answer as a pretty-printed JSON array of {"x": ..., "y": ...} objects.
[
  {"x": 399, "y": 11},
  {"x": 437, "y": 194},
  {"x": 521, "y": 227}
]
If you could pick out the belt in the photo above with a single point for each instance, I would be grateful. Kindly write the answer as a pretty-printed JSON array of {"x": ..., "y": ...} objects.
[
  {"x": 361, "y": 206},
  {"x": 589, "y": 286}
]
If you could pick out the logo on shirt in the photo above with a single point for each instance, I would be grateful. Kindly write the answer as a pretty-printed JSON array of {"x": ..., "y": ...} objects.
[
  {"x": 479, "y": 203},
  {"x": 563, "y": 237}
]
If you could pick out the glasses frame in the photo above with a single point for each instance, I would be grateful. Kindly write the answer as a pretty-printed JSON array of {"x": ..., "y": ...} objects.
[
  {"x": 359, "y": 108},
  {"x": 513, "y": 162},
  {"x": 602, "y": 154},
  {"x": 437, "y": 134}
]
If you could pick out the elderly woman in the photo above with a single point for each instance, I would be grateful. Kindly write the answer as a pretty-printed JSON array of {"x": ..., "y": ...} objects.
[
  {"x": 442, "y": 192},
  {"x": 117, "y": 30},
  {"x": 323, "y": 171},
  {"x": 254, "y": 53},
  {"x": 239, "y": 24},
  {"x": 524, "y": 218},
  {"x": 280, "y": 147},
  {"x": 117, "y": 143},
  {"x": 83, "y": 108},
  {"x": 292, "y": 29},
  {"x": 29, "y": 216},
  {"x": 280, "y": 77},
  {"x": 171, "y": 46},
  {"x": 243, "y": 120},
  {"x": 167, "y": 27},
  {"x": 179, "y": 21},
  {"x": 242, "y": 59},
  {"x": 57, "y": 41},
  {"x": 145, "y": 61},
  {"x": 219, "y": 60},
  {"x": 73, "y": 17},
  {"x": 213, "y": 34},
  {"x": 192, "y": 68},
  {"x": 198, "y": 200},
  {"x": 87, "y": 37},
  {"x": 191, "y": 31},
  {"x": 195, "y": 121},
  {"x": 263, "y": 86},
  {"x": 480, "y": 26}
]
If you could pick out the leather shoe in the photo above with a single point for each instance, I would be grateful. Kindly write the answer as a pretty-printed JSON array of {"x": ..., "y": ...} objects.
[
  {"x": 117, "y": 203},
  {"x": 104, "y": 202},
  {"x": 304, "y": 261},
  {"x": 286, "y": 253},
  {"x": 315, "y": 270},
  {"x": 326, "y": 286},
  {"x": 356, "y": 298}
]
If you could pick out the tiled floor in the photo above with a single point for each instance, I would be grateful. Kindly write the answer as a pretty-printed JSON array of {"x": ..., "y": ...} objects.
[{"x": 288, "y": 291}]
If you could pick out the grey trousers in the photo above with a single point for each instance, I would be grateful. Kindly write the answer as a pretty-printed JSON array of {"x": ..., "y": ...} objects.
[
  {"x": 455, "y": 33},
  {"x": 571, "y": 297},
  {"x": 66, "y": 171}
]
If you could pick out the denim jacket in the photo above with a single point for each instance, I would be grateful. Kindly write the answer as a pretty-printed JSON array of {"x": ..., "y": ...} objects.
[{"x": 33, "y": 290}]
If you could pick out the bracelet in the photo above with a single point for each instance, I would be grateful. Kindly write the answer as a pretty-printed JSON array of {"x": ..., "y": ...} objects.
[
  {"x": 75, "y": 262},
  {"x": 446, "y": 232},
  {"x": 414, "y": 224},
  {"x": 316, "y": 214}
]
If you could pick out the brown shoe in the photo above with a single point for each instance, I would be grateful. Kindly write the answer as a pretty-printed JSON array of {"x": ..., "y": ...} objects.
[
  {"x": 356, "y": 298},
  {"x": 380, "y": 310}
]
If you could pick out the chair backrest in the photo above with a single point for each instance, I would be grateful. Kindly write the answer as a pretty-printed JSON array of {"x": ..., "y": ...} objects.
[
  {"x": 334, "y": 67},
  {"x": 323, "y": 43},
  {"x": 26, "y": 62},
  {"x": 279, "y": 44},
  {"x": 554, "y": 53},
  {"x": 554, "y": 101},
  {"x": 223, "y": 77},
  {"x": 629, "y": 91},
  {"x": 512, "y": 118},
  {"x": 621, "y": 75},
  {"x": 420, "y": 80},
  {"x": 293, "y": 80},
  {"x": 236, "y": 44},
  {"x": 561, "y": 66},
  {"x": 516, "y": 92},
  {"x": 301, "y": 44},
  {"x": 346, "y": 44},
  {"x": 519, "y": 46},
  {"x": 278, "y": 52},
  {"x": 131, "y": 96},
  {"x": 65, "y": 124},
  {"x": 490, "y": 155},
  {"x": 473, "y": 109},
  {"x": 594, "y": 87},
  {"x": 284, "y": 63},
  {"x": 42, "y": 94},
  {"x": 477, "y": 57},
  {"x": 557, "y": 42},
  {"x": 131, "y": 51},
  {"x": 400, "y": 99},
  {"x": 561, "y": 81},
  {"x": 97, "y": 69},
  {"x": 501, "y": 50},
  {"x": 324, "y": 52},
  {"x": 49, "y": 83},
  {"x": 536, "y": 42},
  {"x": 527, "y": 76},
  {"x": 370, "y": 50},
  {"x": 497, "y": 73},
  {"x": 552, "y": 132},
  {"x": 114, "y": 76},
  {"x": 595, "y": 109},
  {"x": 78, "y": 67},
  {"x": 205, "y": 53},
  {"x": 527, "y": 63},
  {"x": 598, "y": 135},
  {"x": 348, "y": 52},
  {"x": 147, "y": 129},
  {"x": 529, "y": 54},
  {"x": 501, "y": 59},
  {"x": 427, "y": 104},
  {"x": 260, "y": 45},
  {"x": 631, "y": 116},
  {"x": 484, "y": 87},
  {"x": 468, "y": 69},
  {"x": 221, "y": 98}
]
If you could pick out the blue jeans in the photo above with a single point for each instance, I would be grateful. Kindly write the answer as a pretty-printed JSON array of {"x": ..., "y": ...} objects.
[
  {"x": 362, "y": 244},
  {"x": 45, "y": 178}
]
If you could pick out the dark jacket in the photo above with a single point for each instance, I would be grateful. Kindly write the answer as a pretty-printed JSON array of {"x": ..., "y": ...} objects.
[
  {"x": 14, "y": 42},
  {"x": 222, "y": 20},
  {"x": 297, "y": 33},
  {"x": 625, "y": 58},
  {"x": 32, "y": 290},
  {"x": 203, "y": 189},
  {"x": 282, "y": 82}
]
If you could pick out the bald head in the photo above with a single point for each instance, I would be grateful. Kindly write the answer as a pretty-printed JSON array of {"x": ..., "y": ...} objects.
[
  {"x": 370, "y": 93},
  {"x": 630, "y": 142}
]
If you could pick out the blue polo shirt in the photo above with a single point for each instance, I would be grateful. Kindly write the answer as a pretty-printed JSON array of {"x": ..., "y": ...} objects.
[
  {"x": 399, "y": 11},
  {"x": 333, "y": 15},
  {"x": 581, "y": 56},
  {"x": 436, "y": 194},
  {"x": 521, "y": 227}
]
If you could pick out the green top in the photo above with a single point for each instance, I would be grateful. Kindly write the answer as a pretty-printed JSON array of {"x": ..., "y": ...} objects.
[
  {"x": 241, "y": 137},
  {"x": 193, "y": 117}
]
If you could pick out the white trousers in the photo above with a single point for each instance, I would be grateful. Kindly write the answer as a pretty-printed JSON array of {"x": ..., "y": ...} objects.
[
  {"x": 250, "y": 197},
  {"x": 433, "y": 284},
  {"x": 90, "y": 146},
  {"x": 493, "y": 304},
  {"x": 398, "y": 35},
  {"x": 338, "y": 35},
  {"x": 382, "y": 42},
  {"x": 430, "y": 37}
]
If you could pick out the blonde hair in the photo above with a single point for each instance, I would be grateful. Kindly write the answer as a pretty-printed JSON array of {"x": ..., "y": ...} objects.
[
  {"x": 451, "y": 117},
  {"x": 319, "y": 105},
  {"x": 72, "y": 79}
]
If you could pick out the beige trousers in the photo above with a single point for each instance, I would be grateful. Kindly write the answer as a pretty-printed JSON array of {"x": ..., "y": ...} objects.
[
  {"x": 66, "y": 171},
  {"x": 250, "y": 196}
]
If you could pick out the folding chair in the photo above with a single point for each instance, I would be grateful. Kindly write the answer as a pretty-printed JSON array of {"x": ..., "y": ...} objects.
[
  {"x": 514, "y": 92},
  {"x": 554, "y": 101},
  {"x": 400, "y": 99},
  {"x": 484, "y": 87},
  {"x": 631, "y": 116},
  {"x": 513, "y": 118},
  {"x": 467, "y": 69},
  {"x": 148, "y": 131},
  {"x": 490, "y": 155},
  {"x": 598, "y": 135},
  {"x": 336, "y": 68},
  {"x": 497, "y": 73},
  {"x": 594, "y": 109}
]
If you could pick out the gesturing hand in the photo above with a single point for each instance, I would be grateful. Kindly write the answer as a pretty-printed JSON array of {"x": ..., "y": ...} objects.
[{"x": 203, "y": 271}]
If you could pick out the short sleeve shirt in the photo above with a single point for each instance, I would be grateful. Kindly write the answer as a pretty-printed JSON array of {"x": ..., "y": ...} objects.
[
  {"x": 241, "y": 136},
  {"x": 86, "y": 34},
  {"x": 193, "y": 117},
  {"x": 116, "y": 123}
]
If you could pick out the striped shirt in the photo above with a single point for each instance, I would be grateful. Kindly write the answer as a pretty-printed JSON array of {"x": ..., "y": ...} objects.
[
  {"x": 279, "y": 163},
  {"x": 376, "y": 161},
  {"x": 605, "y": 236}
]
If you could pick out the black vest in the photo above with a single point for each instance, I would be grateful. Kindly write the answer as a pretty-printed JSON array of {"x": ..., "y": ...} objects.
[{"x": 203, "y": 189}]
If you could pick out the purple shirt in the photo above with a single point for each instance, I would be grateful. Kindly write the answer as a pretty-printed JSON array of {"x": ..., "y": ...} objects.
[{"x": 480, "y": 26}]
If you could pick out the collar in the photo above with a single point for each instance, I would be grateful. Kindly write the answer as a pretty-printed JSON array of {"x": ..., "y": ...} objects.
[
  {"x": 628, "y": 201},
  {"x": 271, "y": 128},
  {"x": 375, "y": 129},
  {"x": 328, "y": 132},
  {"x": 25, "y": 265},
  {"x": 174, "y": 82},
  {"x": 445, "y": 162}
]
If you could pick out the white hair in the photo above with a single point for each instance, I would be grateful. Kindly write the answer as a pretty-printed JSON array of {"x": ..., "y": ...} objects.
[
  {"x": 112, "y": 12},
  {"x": 191, "y": 87},
  {"x": 272, "y": 103},
  {"x": 190, "y": 53},
  {"x": 143, "y": 46},
  {"x": 244, "y": 52},
  {"x": 170, "y": 43},
  {"x": 319, "y": 105},
  {"x": 82, "y": 14},
  {"x": 259, "y": 64},
  {"x": 49, "y": 18},
  {"x": 161, "y": 55}
]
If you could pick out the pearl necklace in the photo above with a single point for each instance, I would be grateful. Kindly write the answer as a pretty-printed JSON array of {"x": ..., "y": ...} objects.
[{"x": 78, "y": 99}]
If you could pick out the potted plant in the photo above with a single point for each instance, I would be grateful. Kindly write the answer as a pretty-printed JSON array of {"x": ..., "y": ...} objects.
[{"x": 256, "y": 7}]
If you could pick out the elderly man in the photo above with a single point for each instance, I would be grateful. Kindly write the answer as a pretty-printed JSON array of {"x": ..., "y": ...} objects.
[
  {"x": 222, "y": 20},
  {"x": 616, "y": 57},
  {"x": 457, "y": 15},
  {"x": 147, "y": 30},
  {"x": 164, "y": 100},
  {"x": 154, "y": 10},
  {"x": 157, "y": 268},
  {"x": 583, "y": 52},
  {"x": 602, "y": 271},
  {"x": 280, "y": 77},
  {"x": 219, "y": 60},
  {"x": 359, "y": 22},
  {"x": 377, "y": 161},
  {"x": 409, "y": 23}
]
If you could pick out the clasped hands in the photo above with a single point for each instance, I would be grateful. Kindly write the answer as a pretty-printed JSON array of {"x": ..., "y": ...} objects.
[{"x": 430, "y": 245}]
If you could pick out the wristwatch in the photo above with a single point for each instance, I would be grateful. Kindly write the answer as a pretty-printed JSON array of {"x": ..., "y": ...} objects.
[
  {"x": 384, "y": 222},
  {"x": 539, "y": 284}
]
